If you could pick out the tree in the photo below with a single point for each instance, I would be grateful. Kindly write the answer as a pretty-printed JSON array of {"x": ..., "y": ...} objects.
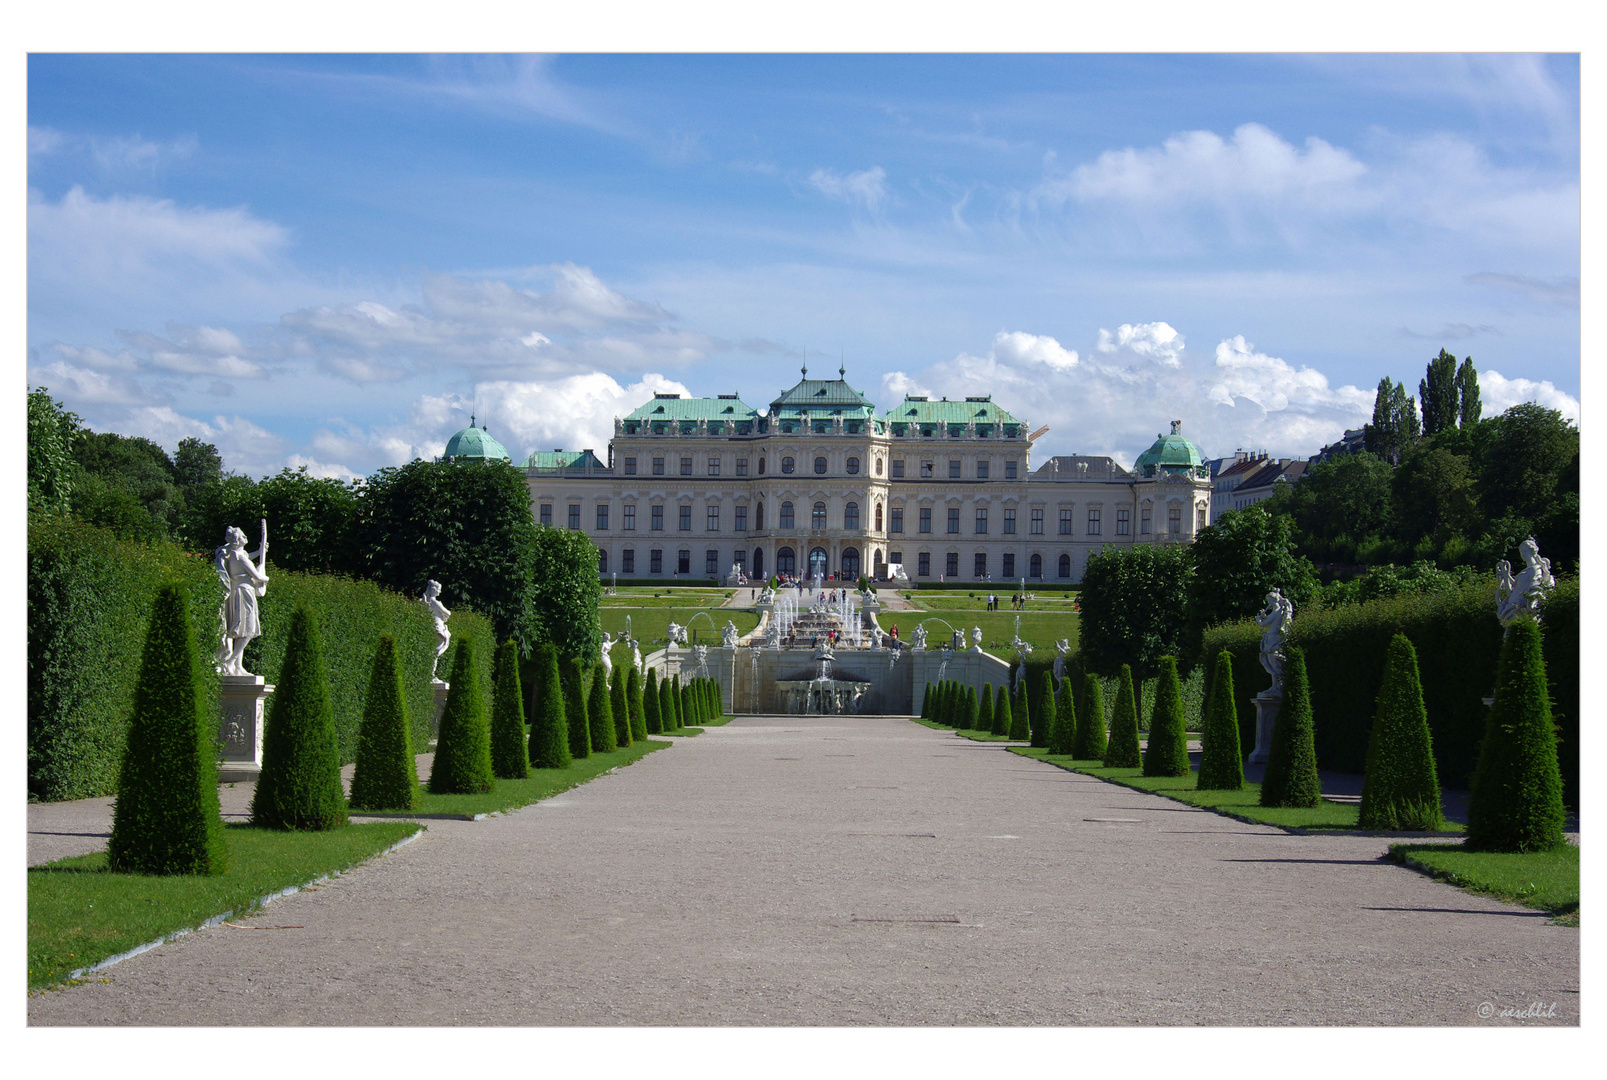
[
  {"x": 549, "y": 725},
  {"x": 1221, "y": 761},
  {"x": 196, "y": 464},
  {"x": 1291, "y": 777},
  {"x": 166, "y": 818},
  {"x": 619, "y": 705},
  {"x": 1168, "y": 751},
  {"x": 1395, "y": 426},
  {"x": 666, "y": 706},
  {"x": 1020, "y": 715},
  {"x": 1001, "y": 712},
  {"x": 1059, "y": 719},
  {"x": 510, "y": 754},
  {"x": 1467, "y": 387},
  {"x": 634, "y": 695},
  {"x": 599, "y": 709},
  {"x": 1134, "y": 606},
  {"x": 565, "y": 590},
  {"x": 1338, "y": 505},
  {"x": 300, "y": 786},
  {"x": 926, "y": 702},
  {"x": 1090, "y": 721},
  {"x": 1440, "y": 394},
  {"x": 1121, "y": 752},
  {"x": 652, "y": 712},
  {"x": 462, "y": 763},
  {"x": 965, "y": 717},
  {"x": 1528, "y": 457},
  {"x": 681, "y": 719},
  {"x": 116, "y": 474},
  {"x": 52, "y": 433},
  {"x": 1237, "y": 561},
  {"x": 386, "y": 775},
  {"x": 984, "y": 710},
  {"x": 1401, "y": 789},
  {"x": 1516, "y": 803},
  {"x": 1434, "y": 493}
]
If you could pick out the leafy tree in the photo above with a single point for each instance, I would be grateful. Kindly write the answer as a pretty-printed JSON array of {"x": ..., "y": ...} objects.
[
  {"x": 1090, "y": 739},
  {"x": 652, "y": 712},
  {"x": 1168, "y": 751},
  {"x": 196, "y": 465},
  {"x": 166, "y": 818},
  {"x": 1395, "y": 425},
  {"x": 462, "y": 763},
  {"x": 300, "y": 786},
  {"x": 1338, "y": 505},
  {"x": 565, "y": 590},
  {"x": 619, "y": 705},
  {"x": 386, "y": 776},
  {"x": 1059, "y": 719},
  {"x": 510, "y": 754},
  {"x": 1467, "y": 388},
  {"x": 549, "y": 727},
  {"x": 1401, "y": 789},
  {"x": 1134, "y": 606},
  {"x": 1440, "y": 394},
  {"x": 52, "y": 433},
  {"x": 1434, "y": 493},
  {"x": 115, "y": 475},
  {"x": 1516, "y": 803},
  {"x": 634, "y": 696},
  {"x": 599, "y": 709},
  {"x": 1291, "y": 777},
  {"x": 1237, "y": 561},
  {"x": 1122, "y": 752},
  {"x": 1530, "y": 457},
  {"x": 1002, "y": 721},
  {"x": 1221, "y": 761}
]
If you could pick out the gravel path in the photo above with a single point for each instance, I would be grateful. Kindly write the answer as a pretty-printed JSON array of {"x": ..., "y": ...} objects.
[{"x": 789, "y": 870}]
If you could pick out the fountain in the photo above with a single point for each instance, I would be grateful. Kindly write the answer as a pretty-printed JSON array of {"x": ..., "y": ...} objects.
[{"x": 823, "y": 695}]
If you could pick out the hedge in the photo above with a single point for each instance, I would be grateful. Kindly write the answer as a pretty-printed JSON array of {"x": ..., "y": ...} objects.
[
  {"x": 1458, "y": 643},
  {"x": 90, "y": 596}
]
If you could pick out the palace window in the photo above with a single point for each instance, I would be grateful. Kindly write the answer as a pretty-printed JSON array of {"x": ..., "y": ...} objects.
[
  {"x": 714, "y": 466},
  {"x": 683, "y": 561},
  {"x": 658, "y": 466},
  {"x": 878, "y": 517},
  {"x": 686, "y": 466},
  {"x": 1143, "y": 521},
  {"x": 714, "y": 519},
  {"x": 758, "y": 517},
  {"x": 657, "y": 524},
  {"x": 761, "y": 466},
  {"x": 1065, "y": 523},
  {"x": 685, "y": 524},
  {"x": 1124, "y": 521},
  {"x": 923, "y": 564},
  {"x": 820, "y": 466},
  {"x": 897, "y": 524},
  {"x": 982, "y": 523},
  {"x": 1009, "y": 567},
  {"x": 926, "y": 519},
  {"x": 742, "y": 466},
  {"x": 602, "y": 517},
  {"x": 954, "y": 519},
  {"x": 711, "y": 562},
  {"x": 630, "y": 466},
  {"x": 1065, "y": 566},
  {"x": 1035, "y": 567},
  {"x": 786, "y": 515},
  {"x": 1037, "y": 521},
  {"x": 951, "y": 564},
  {"x": 630, "y": 516},
  {"x": 817, "y": 517},
  {"x": 574, "y": 515},
  {"x": 982, "y": 469},
  {"x": 602, "y": 562},
  {"x": 546, "y": 513},
  {"x": 627, "y": 561},
  {"x": 898, "y": 468},
  {"x": 851, "y": 516},
  {"x": 927, "y": 470},
  {"x": 786, "y": 465},
  {"x": 655, "y": 561},
  {"x": 878, "y": 466},
  {"x": 1199, "y": 518},
  {"x": 853, "y": 466},
  {"x": 1010, "y": 469},
  {"x": 1009, "y": 521},
  {"x": 896, "y": 556},
  {"x": 1093, "y": 521},
  {"x": 979, "y": 565},
  {"x": 1174, "y": 520},
  {"x": 742, "y": 519},
  {"x": 954, "y": 468}
]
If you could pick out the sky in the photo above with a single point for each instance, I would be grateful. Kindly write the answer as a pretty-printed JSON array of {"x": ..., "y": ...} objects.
[{"x": 334, "y": 261}]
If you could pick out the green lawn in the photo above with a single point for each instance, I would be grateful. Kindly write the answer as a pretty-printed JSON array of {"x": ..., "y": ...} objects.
[
  {"x": 540, "y": 784},
  {"x": 1244, "y": 804},
  {"x": 666, "y": 596},
  {"x": 1547, "y": 880},
  {"x": 80, "y": 913}
]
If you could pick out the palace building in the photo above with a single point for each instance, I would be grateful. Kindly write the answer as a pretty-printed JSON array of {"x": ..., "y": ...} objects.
[{"x": 819, "y": 481}]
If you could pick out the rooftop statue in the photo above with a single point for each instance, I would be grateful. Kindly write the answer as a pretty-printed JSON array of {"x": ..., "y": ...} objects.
[
  {"x": 1522, "y": 595},
  {"x": 432, "y": 603},
  {"x": 1274, "y": 620},
  {"x": 244, "y": 582}
]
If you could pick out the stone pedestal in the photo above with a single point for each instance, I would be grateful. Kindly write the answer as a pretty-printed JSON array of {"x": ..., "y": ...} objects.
[
  {"x": 1266, "y": 715},
  {"x": 440, "y": 689},
  {"x": 240, "y": 701}
]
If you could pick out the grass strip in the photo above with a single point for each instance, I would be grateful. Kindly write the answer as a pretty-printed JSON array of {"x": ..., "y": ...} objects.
[
  {"x": 688, "y": 732},
  {"x": 80, "y": 913},
  {"x": 1545, "y": 880},
  {"x": 975, "y": 736},
  {"x": 509, "y": 795},
  {"x": 1242, "y": 805}
]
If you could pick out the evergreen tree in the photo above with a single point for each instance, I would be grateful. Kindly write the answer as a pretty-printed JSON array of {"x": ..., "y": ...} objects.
[
  {"x": 463, "y": 749},
  {"x": 1439, "y": 394},
  {"x": 1168, "y": 752},
  {"x": 1001, "y": 711},
  {"x": 165, "y": 819},
  {"x": 576, "y": 719},
  {"x": 666, "y": 706},
  {"x": 1042, "y": 718},
  {"x": 550, "y": 746},
  {"x": 600, "y": 711},
  {"x": 1221, "y": 763},
  {"x": 686, "y": 708},
  {"x": 651, "y": 709},
  {"x": 1395, "y": 425},
  {"x": 300, "y": 786},
  {"x": 963, "y": 715},
  {"x": 1121, "y": 752},
  {"x": 638, "y": 706},
  {"x": 1091, "y": 723},
  {"x": 1020, "y": 715},
  {"x": 1060, "y": 718},
  {"x": 620, "y": 706},
  {"x": 1467, "y": 385},
  {"x": 386, "y": 776},
  {"x": 940, "y": 699},
  {"x": 1401, "y": 789},
  {"x": 926, "y": 702},
  {"x": 1517, "y": 786},
  {"x": 510, "y": 755},
  {"x": 680, "y": 703},
  {"x": 1291, "y": 778},
  {"x": 984, "y": 709}
]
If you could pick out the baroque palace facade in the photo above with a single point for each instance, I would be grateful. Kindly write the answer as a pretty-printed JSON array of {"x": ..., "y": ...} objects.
[{"x": 821, "y": 482}]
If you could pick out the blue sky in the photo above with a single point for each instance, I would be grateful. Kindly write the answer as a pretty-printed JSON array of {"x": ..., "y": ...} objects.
[{"x": 333, "y": 261}]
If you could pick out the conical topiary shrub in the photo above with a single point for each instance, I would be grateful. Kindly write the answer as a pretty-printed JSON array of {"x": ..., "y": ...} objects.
[
  {"x": 600, "y": 711},
  {"x": 1020, "y": 719},
  {"x": 1291, "y": 778},
  {"x": 1517, "y": 787},
  {"x": 1063, "y": 728},
  {"x": 462, "y": 763},
  {"x": 638, "y": 706},
  {"x": 963, "y": 717},
  {"x": 549, "y": 727},
  {"x": 1001, "y": 712},
  {"x": 386, "y": 775},
  {"x": 1168, "y": 751},
  {"x": 681, "y": 719},
  {"x": 1401, "y": 789},
  {"x": 650, "y": 706},
  {"x": 666, "y": 704},
  {"x": 1042, "y": 718},
  {"x": 1221, "y": 763},
  {"x": 575, "y": 716},
  {"x": 510, "y": 755},
  {"x": 1091, "y": 721},
  {"x": 926, "y": 702},
  {"x": 620, "y": 706},
  {"x": 166, "y": 818},
  {"x": 984, "y": 709},
  {"x": 300, "y": 784},
  {"x": 940, "y": 710},
  {"x": 1121, "y": 752}
]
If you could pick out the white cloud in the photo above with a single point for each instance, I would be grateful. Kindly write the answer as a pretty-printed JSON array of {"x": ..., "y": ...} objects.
[
  {"x": 138, "y": 153},
  {"x": 196, "y": 350},
  {"x": 44, "y": 140},
  {"x": 1498, "y": 393},
  {"x": 1563, "y": 290},
  {"x": 320, "y": 470},
  {"x": 1154, "y": 340},
  {"x": 867, "y": 188}
]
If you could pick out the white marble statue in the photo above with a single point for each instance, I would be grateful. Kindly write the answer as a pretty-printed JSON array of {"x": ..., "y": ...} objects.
[
  {"x": 728, "y": 635},
  {"x": 244, "y": 582},
  {"x": 1023, "y": 650},
  {"x": 772, "y": 635},
  {"x": 608, "y": 661},
  {"x": 918, "y": 636},
  {"x": 439, "y": 613},
  {"x": 700, "y": 653},
  {"x": 1274, "y": 620},
  {"x": 876, "y": 639},
  {"x": 1523, "y": 594},
  {"x": 976, "y": 639},
  {"x": 1062, "y": 647},
  {"x": 677, "y": 634},
  {"x": 957, "y": 641},
  {"x": 636, "y": 655}
]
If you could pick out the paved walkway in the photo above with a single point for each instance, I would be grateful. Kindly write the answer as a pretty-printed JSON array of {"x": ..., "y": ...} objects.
[{"x": 795, "y": 870}]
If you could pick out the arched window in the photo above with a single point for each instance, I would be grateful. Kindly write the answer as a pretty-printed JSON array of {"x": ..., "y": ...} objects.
[
  {"x": 817, "y": 517},
  {"x": 850, "y": 563},
  {"x": 820, "y": 466},
  {"x": 851, "y": 516},
  {"x": 878, "y": 466},
  {"x": 853, "y": 466},
  {"x": 786, "y": 464},
  {"x": 786, "y": 516},
  {"x": 818, "y": 563},
  {"x": 785, "y": 561},
  {"x": 602, "y": 561},
  {"x": 878, "y": 517},
  {"x": 761, "y": 466},
  {"x": 758, "y": 517},
  {"x": 1035, "y": 567},
  {"x": 1065, "y": 566},
  {"x": 758, "y": 562}
]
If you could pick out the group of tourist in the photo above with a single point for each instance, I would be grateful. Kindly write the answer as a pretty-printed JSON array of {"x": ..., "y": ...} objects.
[{"x": 1018, "y": 602}]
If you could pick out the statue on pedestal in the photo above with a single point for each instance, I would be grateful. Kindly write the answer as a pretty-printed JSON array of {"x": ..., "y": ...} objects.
[
  {"x": 432, "y": 603},
  {"x": 677, "y": 634},
  {"x": 1062, "y": 647},
  {"x": 700, "y": 653},
  {"x": 918, "y": 637},
  {"x": 728, "y": 635},
  {"x": 244, "y": 582},
  {"x": 608, "y": 661},
  {"x": 1523, "y": 594},
  {"x": 1274, "y": 621},
  {"x": 976, "y": 639}
]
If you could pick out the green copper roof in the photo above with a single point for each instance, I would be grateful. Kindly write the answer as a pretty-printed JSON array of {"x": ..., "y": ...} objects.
[
  {"x": 831, "y": 396},
  {"x": 562, "y": 459},
  {"x": 1171, "y": 454},
  {"x": 475, "y": 444},
  {"x": 973, "y": 410},
  {"x": 675, "y": 407}
]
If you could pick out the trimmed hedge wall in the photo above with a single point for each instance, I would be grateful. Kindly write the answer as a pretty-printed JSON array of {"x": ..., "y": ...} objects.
[
  {"x": 89, "y": 601},
  {"x": 1458, "y": 642}
]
